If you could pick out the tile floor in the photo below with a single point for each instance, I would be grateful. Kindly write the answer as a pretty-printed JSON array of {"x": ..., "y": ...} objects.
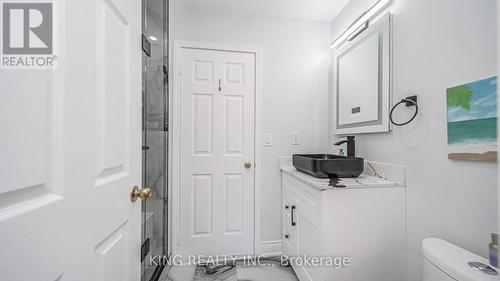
[{"x": 272, "y": 271}]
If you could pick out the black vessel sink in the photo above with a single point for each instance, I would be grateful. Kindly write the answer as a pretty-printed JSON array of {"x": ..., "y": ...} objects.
[{"x": 328, "y": 165}]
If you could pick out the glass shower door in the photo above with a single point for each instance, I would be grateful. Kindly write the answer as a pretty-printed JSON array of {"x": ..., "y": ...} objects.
[{"x": 154, "y": 138}]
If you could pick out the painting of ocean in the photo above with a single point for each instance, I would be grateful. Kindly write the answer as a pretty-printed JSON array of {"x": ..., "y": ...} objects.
[{"x": 472, "y": 120}]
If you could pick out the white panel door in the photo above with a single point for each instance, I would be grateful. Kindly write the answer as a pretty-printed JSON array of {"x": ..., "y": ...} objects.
[
  {"x": 70, "y": 151},
  {"x": 217, "y": 101}
]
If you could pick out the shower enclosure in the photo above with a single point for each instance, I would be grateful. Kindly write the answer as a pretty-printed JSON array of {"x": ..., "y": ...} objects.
[{"x": 154, "y": 136}]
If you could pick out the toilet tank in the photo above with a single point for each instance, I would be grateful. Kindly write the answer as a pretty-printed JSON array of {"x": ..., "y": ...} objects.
[
  {"x": 432, "y": 273},
  {"x": 443, "y": 261}
]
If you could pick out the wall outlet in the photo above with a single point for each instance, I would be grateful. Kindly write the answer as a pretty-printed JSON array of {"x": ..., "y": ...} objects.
[
  {"x": 268, "y": 139},
  {"x": 295, "y": 138}
]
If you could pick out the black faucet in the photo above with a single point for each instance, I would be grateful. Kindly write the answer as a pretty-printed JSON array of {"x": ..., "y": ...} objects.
[{"x": 351, "y": 145}]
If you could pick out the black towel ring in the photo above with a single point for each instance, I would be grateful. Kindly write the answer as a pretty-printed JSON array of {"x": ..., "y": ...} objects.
[{"x": 409, "y": 101}]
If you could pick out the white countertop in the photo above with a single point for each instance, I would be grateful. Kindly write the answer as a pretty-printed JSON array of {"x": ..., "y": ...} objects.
[{"x": 375, "y": 175}]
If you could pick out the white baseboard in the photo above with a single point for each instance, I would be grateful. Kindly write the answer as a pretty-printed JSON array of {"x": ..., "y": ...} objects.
[{"x": 271, "y": 248}]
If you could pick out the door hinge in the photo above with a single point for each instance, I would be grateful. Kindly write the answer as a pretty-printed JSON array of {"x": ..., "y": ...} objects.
[
  {"x": 144, "y": 250},
  {"x": 146, "y": 45}
]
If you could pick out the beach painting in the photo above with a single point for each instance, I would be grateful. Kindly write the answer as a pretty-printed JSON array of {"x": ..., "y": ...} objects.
[{"x": 472, "y": 120}]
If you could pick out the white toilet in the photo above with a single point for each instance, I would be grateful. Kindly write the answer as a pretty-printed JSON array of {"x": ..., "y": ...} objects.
[{"x": 444, "y": 261}]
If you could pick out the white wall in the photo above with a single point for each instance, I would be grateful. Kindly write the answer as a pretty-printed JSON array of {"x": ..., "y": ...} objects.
[
  {"x": 437, "y": 44},
  {"x": 294, "y": 85}
]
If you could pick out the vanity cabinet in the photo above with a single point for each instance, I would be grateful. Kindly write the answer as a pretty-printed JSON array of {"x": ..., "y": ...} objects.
[{"x": 365, "y": 226}]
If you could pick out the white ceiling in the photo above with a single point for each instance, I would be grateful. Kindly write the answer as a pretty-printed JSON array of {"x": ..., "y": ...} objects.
[{"x": 323, "y": 10}]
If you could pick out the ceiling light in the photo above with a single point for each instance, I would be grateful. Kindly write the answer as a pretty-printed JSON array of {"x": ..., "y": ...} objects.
[{"x": 153, "y": 38}]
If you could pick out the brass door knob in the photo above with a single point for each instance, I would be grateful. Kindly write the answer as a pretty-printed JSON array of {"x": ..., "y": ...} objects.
[
  {"x": 142, "y": 193},
  {"x": 248, "y": 164}
]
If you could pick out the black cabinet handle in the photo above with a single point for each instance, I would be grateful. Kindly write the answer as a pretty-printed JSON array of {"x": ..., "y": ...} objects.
[
  {"x": 286, "y": 207},
  {"x": 286, "y": 236},
  {"x": 293, "y": 220}
]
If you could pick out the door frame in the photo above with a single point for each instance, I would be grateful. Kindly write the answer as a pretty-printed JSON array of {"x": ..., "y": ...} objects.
[{"x": 174, "y": 135}]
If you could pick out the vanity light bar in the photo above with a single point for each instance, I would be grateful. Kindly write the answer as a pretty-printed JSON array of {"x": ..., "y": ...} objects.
[
  {"x": 360, "y": 24},
  {"x": 358, "y": 31}
]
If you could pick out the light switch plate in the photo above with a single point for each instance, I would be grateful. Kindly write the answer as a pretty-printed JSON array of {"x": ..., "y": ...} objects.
[
  {"x": 268, "y": 140},
  {"x": 295, "y": 138}
]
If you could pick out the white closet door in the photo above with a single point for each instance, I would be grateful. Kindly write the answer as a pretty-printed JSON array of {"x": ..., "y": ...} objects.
[{"x": 217, "y": 139}]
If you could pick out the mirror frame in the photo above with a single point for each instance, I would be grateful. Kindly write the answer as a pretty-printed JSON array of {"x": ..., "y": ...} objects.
[{"x": 383, "y": 28}]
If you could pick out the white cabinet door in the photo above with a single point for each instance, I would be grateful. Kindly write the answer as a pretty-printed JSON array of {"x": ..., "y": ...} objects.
[
  {"x": 288, "y": 223},
  {"x": 217, "y": 100},
  {"x": 70, "y": 151},
  {"x": 309, "y": 241},
  {"x": 289, "y": 236},
  {"x": 304, "y": 229}
]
